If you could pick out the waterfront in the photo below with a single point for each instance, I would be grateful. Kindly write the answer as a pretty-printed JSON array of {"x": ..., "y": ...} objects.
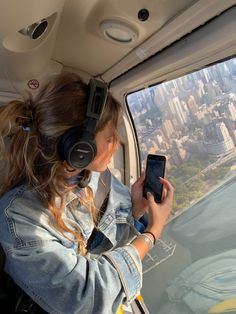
[{"x": 231, "y": 176}]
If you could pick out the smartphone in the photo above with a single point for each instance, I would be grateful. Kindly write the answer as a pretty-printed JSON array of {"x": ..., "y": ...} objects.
[{"x": 155, "y": 168}]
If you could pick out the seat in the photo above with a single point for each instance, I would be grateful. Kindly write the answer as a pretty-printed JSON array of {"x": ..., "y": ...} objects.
[{"x": 12, "y": 298}]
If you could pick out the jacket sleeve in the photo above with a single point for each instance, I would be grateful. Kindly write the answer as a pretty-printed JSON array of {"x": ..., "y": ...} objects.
[{"x": 64, "y": 282}]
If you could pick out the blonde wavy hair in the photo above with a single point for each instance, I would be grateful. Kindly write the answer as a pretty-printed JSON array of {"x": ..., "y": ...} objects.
[{"x": 34, "y": 127}]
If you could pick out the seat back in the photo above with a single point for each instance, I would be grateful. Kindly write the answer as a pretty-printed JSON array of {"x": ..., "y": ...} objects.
[
  {"x": 2, "y": 258},
  {"x": 2, "y": 277},
  {"x": 2, "y": 261},
  {"x": 13, "y": 300}
]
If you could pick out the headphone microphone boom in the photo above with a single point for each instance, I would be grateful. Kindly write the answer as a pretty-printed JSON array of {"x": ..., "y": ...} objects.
[{"x": 77, "y": 145}]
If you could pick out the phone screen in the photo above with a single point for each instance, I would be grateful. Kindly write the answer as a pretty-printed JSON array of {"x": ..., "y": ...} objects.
[{"x": 155, "y": 168}]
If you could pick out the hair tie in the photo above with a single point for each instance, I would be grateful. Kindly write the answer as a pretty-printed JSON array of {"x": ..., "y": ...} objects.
[
  {"x": 27, "y": 120},
  {"x": 25, "y": 128}
]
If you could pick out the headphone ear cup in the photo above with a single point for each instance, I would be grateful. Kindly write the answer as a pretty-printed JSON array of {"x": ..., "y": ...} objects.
[{"x": 77, "y": 146}]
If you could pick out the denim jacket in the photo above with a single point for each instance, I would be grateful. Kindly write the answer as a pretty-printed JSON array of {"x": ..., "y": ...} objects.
[{"x": 47, "y": 265}]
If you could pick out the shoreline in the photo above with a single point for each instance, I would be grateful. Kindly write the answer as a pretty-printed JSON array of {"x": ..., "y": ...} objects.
[{"x": 211, "y": 191}]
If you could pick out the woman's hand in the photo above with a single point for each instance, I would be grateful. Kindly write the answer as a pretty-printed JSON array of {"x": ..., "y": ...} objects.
[
  {"x": 139, "y": 203},
  {"x": 159, "y": 213}
]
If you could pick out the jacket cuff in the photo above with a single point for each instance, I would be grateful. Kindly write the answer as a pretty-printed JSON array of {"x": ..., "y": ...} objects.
[
  {"x": 139, "y": 226},
  {"x": 128, "y": 264}
]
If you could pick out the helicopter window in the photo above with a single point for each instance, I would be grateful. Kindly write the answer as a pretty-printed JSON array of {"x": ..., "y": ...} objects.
[{"x": 192, "y": 121}]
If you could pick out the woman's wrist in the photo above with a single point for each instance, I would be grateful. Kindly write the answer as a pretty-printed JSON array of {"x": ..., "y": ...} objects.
[
  {"x": 141, "y": 246},
  {"x": 136, "y": 216},
  {"x": 137, "y": 212},
  {"x": 143, "y": 243},
  {"x": 150, "y": 233},
  {"x": 147, "y": 238},
  {"x": 155, "y": 232}
]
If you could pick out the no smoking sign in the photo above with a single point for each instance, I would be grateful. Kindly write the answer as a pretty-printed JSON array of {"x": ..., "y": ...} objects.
[{"x": 33, "y": 84}]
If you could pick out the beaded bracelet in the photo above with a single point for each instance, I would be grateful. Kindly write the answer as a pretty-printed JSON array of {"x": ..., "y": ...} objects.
[
  {"x": 147, "y": 239},
  {"x": 150, "y": 237},
  {"x": 154, "y": 238}
]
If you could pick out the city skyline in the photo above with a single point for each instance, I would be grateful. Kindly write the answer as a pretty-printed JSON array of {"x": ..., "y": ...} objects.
[{"x": 199, "y": 109}]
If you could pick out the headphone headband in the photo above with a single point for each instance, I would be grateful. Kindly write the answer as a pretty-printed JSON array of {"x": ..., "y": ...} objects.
[{"x": 97, "y": 98}]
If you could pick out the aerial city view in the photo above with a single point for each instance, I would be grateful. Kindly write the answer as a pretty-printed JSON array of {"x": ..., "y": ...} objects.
[{"x": 192, "y": 121}]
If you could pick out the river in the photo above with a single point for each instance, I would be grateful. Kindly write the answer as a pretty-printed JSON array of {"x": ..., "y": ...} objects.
[{"x": 201, "y": 233}]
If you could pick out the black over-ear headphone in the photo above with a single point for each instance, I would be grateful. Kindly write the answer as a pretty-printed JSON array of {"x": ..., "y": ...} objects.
[{"x": 77, "y": 145}]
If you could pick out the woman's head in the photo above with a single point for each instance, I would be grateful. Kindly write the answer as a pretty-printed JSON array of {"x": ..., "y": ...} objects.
[
  {"x": 35, "y": 128},
  {"x": 37, "y": 125},
  {"x": 77, "y": 145}
]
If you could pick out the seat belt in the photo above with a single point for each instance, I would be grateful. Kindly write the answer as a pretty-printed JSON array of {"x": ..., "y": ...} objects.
[{"x": 101, "y": 213}]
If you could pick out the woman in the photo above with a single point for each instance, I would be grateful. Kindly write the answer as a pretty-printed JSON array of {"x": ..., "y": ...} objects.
[{"x": 69, "y": 233}]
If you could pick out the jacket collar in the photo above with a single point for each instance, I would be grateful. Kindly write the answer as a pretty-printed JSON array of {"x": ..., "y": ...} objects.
[{"x": 118, "y": 206}]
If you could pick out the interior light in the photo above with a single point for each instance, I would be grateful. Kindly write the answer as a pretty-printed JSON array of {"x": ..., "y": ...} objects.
[{"x": 118, "y": 31}]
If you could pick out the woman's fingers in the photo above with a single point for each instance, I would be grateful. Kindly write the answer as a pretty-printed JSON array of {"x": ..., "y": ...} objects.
[
  {"x": 140, "y": 180},
  {"x": 168, "y": 187},
  {"x": 150, "y": 199},
  {"x": 164, "y": 193}
]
